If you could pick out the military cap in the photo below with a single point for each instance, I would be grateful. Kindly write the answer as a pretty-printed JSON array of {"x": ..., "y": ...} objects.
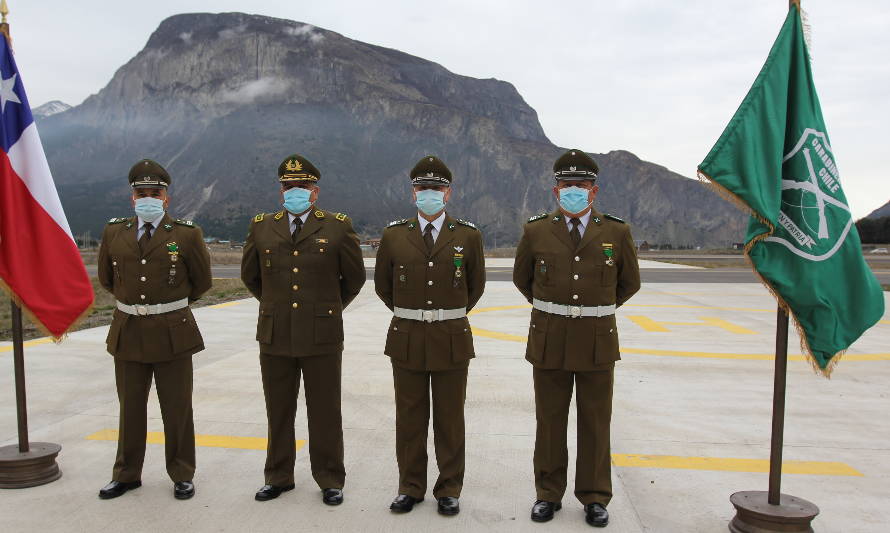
[
  {"x": 430, "y": 170},
  {"x": 575, "y": 165},
  {"x": 148, "y": 173},
  {"x": 297, "y": 168}
]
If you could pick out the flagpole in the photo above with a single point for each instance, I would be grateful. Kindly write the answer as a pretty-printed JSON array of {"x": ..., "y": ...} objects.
[
  {"x": 27, "y": 464},
  {"x": 779, "y": 381}
]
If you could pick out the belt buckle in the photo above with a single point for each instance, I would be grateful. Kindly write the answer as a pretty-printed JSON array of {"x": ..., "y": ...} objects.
[
  {"x": 428, "y": 316},
  {"x": 142, "y": 310},
  {"x": 575, "y": 311}
]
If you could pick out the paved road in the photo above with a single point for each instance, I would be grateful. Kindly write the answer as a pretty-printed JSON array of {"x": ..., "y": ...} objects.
[{"x": 649, "y": 275}]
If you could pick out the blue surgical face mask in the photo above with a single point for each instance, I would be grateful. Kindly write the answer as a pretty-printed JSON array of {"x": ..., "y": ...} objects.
[
  {"x": 296, "y": 200},
  {"x": 573, "y": 199},
  {"x": 430, "y": 201},
  {"x": 149, "y": 208}
]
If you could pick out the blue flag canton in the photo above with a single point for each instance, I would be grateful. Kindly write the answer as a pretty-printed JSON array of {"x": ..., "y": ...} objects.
[{"x": 15, "y": 113}]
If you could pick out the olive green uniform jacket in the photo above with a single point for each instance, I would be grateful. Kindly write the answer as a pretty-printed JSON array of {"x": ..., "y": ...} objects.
[
  {"x": 175, "y": 265},
  {"x": 551, "y": 268},
  {"x": 406, "y": 276},
  {"x": 302, "y": 287}
]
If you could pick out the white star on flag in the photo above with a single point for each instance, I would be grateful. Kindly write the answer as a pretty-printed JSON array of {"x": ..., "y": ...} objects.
[{"x": 7, "y": 92}]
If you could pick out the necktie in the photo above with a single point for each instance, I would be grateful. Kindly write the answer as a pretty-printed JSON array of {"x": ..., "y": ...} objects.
[
  {"x": 298, "y": 225},
  {"x": 428, "y": 237},
  {"x": 575, "y": 233},
  {"x": 146, "y": 236}
]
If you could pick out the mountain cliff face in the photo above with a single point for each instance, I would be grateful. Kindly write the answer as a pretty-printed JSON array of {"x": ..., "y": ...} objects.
[
  {"x": 883, "y": 211},
  {"x": 50, "y": 108},
  {"x": 221, "y": 99}
]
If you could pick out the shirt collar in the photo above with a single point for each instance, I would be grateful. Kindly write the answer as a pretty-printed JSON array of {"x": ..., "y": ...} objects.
[
  {"x": 584, "y": 219},
  {"x": 437, "y": 224},
  {"x": 303, "y": 217}
]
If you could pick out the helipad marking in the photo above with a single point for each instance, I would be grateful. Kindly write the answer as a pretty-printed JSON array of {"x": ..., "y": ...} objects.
[
  {"x": 208, "y": 441},
  {"x": 225, "y": 304},
  {"x": 649, "y": 324},
  {"x": 728, "y": 464},
  {"x": 35, "y": 342}
]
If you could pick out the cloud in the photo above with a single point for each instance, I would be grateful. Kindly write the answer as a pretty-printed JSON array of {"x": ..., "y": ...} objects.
[
  {"x": 229, "y": 33},
  {"x": 253, "y": 90},
  {"x": 305, "y": 30}
]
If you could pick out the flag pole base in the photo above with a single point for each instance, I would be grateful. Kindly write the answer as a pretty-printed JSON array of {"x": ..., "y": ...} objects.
[
  {"x": 754, "y": 514},
  {"x": 35, "y": 467}
]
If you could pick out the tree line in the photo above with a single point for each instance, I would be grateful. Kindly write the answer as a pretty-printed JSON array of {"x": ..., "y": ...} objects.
[{"x": 874, "y": 230}]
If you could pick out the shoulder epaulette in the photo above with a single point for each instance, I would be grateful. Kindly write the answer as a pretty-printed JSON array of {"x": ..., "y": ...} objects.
[
  {"x": 613, "y": 217},
  {"x": 340, "y": 216},
  {"x": 539, "y": 216},
  {"x": 279, "y": 215},
  {"x": 259, "y": 217},
  {"x": 318, "y": 213},
  {"x": 397, "y": 222},
  {"x": 466, "y": 223},
  {"x": 117, "y": 220},
  {"x": 182, "y": 222}
]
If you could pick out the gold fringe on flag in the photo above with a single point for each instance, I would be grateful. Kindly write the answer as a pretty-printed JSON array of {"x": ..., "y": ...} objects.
[{"x": 36, "y": 321}]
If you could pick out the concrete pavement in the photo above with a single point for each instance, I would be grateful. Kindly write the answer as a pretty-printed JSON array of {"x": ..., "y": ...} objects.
[{"x": 691, "y": 425}]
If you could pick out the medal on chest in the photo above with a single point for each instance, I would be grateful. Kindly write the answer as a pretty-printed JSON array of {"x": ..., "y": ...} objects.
[
  {"x": 458, "y": 264},
  {"x": 173, "y": 252},
  {"x": 608, "y": 252}
]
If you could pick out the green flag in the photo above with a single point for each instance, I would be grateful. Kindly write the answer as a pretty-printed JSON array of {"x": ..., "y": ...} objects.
[{"x": 775, "y": 160}]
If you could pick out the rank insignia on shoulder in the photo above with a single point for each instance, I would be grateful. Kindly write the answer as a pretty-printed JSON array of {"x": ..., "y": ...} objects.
[
  {"x": 613, "y": 217},
  {"x": 117, "y": 220},
  {"x": 279, "y": 215},
  {"x": 539, "y": 216},
  {"x": 341, "y": 217},
  {"x": 397, "y": 222},
  {"x": 466, "y": 223},
  {"x": 188, "y": 223},
  {"x": 259, "y": 217},
  {"x": 318, "y": 213}
]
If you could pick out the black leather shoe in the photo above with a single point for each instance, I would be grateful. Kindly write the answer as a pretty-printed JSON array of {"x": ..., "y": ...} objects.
[
  {"x": 183, "y": 490},
  {"x": 332, "y": 496},
  {"x": 117, "y": 488},
  {"x": 448, "y": 506},
  {"x": 597, "y": 516},
  {"x": 403, "y": 503},
  {"x": 543, "y": 511},
  {"x": 270, "y": 492}
]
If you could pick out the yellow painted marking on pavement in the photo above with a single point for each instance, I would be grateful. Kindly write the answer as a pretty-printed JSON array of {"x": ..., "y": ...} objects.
[
  {"x": 726, "y": 464},
  {"x": 680, "y": 353},
  {"x": 498, "y": 308},
  {"x": 225, "y": 304},
  {"x": 672, "y": 306},
  {"x": 208, "y": 441},
  {"x": 884, "y": 322},
  {"x": 35, "y": 342},
  {"x": 647, "y": 323},
  {"x": 708, "y": 321}
]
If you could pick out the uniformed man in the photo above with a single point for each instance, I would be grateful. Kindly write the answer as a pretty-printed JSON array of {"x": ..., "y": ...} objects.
[
  {"x": 430, "y": 272},
  {"x": 575, "y": 266},
  {"x": 155, "y": 266},
  {"x": 304, "y": 265}
]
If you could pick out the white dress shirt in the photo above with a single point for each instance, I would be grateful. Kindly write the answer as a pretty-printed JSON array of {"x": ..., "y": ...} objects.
[
  {"x": 141, "y": 228},
  {"x": 292, "y": 217},
  {"x": 582, "y": 226},
  {"x": 437, "y": 224}
]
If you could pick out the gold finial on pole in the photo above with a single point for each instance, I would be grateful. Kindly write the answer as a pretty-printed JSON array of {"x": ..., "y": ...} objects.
[{"x": 4, "y": 26}]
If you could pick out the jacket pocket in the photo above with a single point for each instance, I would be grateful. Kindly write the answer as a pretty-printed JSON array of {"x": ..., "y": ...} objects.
[
  {"x": 606, "y": 349},
  {"x": 397, "y": 340},
  {"x": 264, "y": 326},
  {"x": 462, "y": 342},
  {"x": 544, "y": 266},
  {"x": 328, "y": 323},
  {"x": 184, "y": 333},
  {"x": 537, "y": 337}
]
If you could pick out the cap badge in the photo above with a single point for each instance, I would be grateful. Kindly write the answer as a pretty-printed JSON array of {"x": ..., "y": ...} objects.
[
  {"x": 293, "y": 165},
  {"x": 573, "y": 168},
  {"x": 429, "y": 174},
  {"x": 431, "y": 160}
]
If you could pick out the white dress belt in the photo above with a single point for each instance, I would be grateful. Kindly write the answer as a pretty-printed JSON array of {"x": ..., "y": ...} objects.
[
  {"x": 429, "y": 315},
  {"x": 573, "y": 311},
  {"x": 153, "y": 309}
]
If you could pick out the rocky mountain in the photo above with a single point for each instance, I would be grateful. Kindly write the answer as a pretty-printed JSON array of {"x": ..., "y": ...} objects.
[
  {"x": 221, "y": 99},
  {"x": 881, "y": 212},
  {"x": 50, "y": 108}
]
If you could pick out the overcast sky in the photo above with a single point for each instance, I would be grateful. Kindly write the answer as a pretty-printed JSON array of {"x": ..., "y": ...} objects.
[{"x": 658, "y": 78}]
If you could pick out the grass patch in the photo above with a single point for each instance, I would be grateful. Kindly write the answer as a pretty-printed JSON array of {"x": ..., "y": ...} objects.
[{"x": 223, "y": 290}]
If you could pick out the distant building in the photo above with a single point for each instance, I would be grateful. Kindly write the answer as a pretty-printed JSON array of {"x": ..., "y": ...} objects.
[{"x": 642, "y": 246}]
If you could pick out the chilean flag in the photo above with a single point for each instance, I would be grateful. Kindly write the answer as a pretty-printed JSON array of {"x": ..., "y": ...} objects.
[{"x": 39, "y": 262}]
